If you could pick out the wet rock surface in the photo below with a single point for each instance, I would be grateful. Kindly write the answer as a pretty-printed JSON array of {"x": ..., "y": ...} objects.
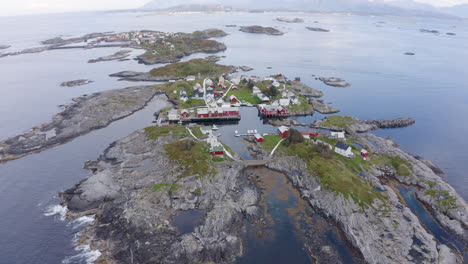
[
  {"x": 122, "y": 54},
  {"x": 76, "y": 83},
  {"x": 135, "y": 221},
  {"x": 261, "y": 30},
  {"x": 86, "y": 114}
]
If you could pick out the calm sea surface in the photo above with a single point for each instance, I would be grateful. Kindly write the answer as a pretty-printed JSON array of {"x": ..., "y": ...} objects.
[{"x": 431, "y": 87}]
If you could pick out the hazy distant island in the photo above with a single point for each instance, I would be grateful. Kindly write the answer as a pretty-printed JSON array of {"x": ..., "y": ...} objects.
[
  {"x": 288, "y": 20},
  {"x": 261, "y": 30},
  {"x": 316, "y": 29},
  {"x": 161, "y": 47}
]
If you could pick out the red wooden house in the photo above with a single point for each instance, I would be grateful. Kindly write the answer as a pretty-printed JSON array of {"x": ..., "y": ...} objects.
[
  {"x": 364, "y": 153},
  {"x": 283, "y": 131},
  {"x": 258, "y": 138},
  {"x": 233, "y": 99},
  {"x": 217, "y": 150},
  {"x": 185, "y": 113}
]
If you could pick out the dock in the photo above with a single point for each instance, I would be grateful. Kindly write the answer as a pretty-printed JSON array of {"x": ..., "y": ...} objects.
[{"x": 210, "y": 119}]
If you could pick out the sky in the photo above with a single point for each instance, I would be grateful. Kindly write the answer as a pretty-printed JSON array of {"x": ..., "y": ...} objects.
[{"x": 18, "y": 7}]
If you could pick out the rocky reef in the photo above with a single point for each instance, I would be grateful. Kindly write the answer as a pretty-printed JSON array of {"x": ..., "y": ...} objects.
[
  {"x": 261, "y": 30},
  {"x": 338, "y": 123},
  {"x": 138, "y": 190},
  {"x": 322, "y": 108},
  {"x": 289, "y": 20},
  {"x": 74, "y": 83},
  {"x": 335, "y": 82},
  {"x": 122, "y": 54},
  {"x": 89, "y": 112},
  {"x": 316, "y": 29}
]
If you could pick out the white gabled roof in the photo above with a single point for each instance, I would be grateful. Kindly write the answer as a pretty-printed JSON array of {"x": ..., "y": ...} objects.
[
  {"x": 202, "y": 111},
  {"x": 364, "y": 151},
  {"x": 258, "y": 136},
  {"x": 283, "y": 129}
]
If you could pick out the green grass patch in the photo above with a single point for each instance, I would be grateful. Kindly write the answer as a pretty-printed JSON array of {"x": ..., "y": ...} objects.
[
  {"x": 431, "y": 184},
  {"x": 195, "y": 160},
  {"x": 191, "y": 67},
  {"x": 218, "y": 159},
  {"x": 191, "y": 103},
  {"x": 244, "y": 94},
  {"x": 197, "y": 191},
  {"x": 338, "y": 121},
  {"x": 303, "y": 106},
  {"x": 270, "y": 141},
  {"x": 176, "y": 131},
  {"x": 166, "y": 186}
]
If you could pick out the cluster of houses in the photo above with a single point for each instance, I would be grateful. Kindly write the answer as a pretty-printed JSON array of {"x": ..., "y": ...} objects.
[
  {"x": 340, "y": 148},
  {"x": 143, "y": 37}
]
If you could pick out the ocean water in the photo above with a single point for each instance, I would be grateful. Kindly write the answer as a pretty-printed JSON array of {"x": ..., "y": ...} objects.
[{"x": 431, "y": 87}]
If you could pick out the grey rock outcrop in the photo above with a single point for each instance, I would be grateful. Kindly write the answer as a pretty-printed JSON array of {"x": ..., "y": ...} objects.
[
  {"x": 289, "y": 20},
  {"x": 322, "y": 108},
  {"x": 136, "y": 223},
  {"x": 4, "y": 46},
  {"x": 335, "y": 82},
  {"x": 392, "y": 237},
  {"x": 453, "y": 214},
  {"x": 116, "y": 56},
  {"x": 76, "y": 83}
]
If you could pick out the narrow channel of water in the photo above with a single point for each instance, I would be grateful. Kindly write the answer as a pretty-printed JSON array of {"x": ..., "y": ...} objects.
[
  {"x": 290, "y": 232},
  {"x": 408, "y": 194}
]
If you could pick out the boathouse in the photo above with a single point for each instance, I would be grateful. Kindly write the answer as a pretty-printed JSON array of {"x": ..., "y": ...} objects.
[
  {"x": 364, "y": 153},
  {"x": 258, "y": 138},
  {"x": 233, "y": 99},
  {"x": 217, "y": 150}
]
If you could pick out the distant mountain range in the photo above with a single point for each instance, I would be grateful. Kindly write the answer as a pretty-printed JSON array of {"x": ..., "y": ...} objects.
[{"x": 390, "y": 7}]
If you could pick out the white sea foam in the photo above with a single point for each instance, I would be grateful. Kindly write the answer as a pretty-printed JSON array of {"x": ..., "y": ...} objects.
[
  {"x": 82, "y": 221},
  {"x": 57, "y": 210},
  {"x": 85, "y": 255}
]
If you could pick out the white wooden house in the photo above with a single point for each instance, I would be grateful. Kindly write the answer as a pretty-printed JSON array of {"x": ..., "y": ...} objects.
[
  {"x": 339, "y": 135},
  {"x": 343, "y": 150}
]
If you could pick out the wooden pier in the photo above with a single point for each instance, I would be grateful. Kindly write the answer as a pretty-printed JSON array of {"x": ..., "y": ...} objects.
[{"x": 195, "y": 119}]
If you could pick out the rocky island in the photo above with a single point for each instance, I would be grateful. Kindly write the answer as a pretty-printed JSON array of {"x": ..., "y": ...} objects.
[
  {"x": 174, "y": 47},
  {"x": 335, "y": 82},
  {"x": 122, "y": 54},
  {"x": 177, "y": 71},
  {"x": 161, "y": 47},
  {"x": 4, "y": 46},
  {"x": 261, "y": 30},
  {"x": 85, "y": 115},
  {"x": 74, "y": 83}
]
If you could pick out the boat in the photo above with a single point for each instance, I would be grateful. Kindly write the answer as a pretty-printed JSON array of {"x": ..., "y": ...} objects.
[{"x": 214, "y": 127}]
